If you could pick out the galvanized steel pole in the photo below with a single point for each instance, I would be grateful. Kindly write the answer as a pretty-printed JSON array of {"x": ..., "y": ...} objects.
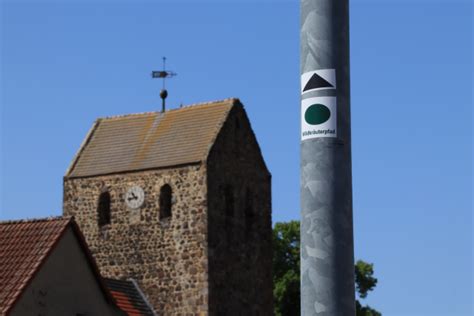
[{"x": 327, "y": 251}]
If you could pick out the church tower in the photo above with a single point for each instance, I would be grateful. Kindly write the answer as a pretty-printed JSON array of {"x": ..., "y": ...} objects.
[{"x": 179, "y": 201}]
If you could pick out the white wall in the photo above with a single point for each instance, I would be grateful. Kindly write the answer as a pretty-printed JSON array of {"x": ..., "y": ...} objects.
[{"x": 65, "y": 285}]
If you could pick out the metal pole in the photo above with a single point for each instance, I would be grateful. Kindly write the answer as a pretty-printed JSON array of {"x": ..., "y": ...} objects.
[{"x": 327, "y": 251}]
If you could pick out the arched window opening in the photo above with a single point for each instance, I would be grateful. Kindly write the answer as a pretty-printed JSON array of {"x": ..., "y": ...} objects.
[
  {"x": 165, "y": 201},
  {"x": 237, "y": 135},
  {"x": 228, "y": 206},
  {"x": 229, "y": 212},
  {"x": 103, "y": 209},
  {"x": 229, "y": 201},
  {"x": 249, "y": 212},
  {"x": 237, "y": 123}
]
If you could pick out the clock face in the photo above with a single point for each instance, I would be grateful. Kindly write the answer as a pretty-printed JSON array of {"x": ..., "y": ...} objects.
[{"x": 135, "y": 197}]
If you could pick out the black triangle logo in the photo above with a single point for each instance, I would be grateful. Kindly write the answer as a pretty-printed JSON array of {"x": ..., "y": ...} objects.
[{"x": 316, "y": 82}]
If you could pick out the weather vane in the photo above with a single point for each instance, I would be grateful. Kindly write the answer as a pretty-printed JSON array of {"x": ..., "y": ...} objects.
[{"x": 163, "y": 74}]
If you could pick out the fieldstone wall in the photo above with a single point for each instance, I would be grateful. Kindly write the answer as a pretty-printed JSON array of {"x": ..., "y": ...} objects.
[
  {"x": 239, "y": 222},
  {"x": 168, "y": 258}
]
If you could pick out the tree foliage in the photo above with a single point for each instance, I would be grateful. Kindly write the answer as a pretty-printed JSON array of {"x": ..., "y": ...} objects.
[
  {"x": 286, "y": 273},
  {"x": 364, "y": 282},
  {"x": 286, "y": 268}
]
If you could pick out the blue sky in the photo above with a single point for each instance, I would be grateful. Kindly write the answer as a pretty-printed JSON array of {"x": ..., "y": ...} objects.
[{"x": 65, "y": 63}]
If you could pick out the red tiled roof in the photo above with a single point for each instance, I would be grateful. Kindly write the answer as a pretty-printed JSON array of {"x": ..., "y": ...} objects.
[
  {"x": 123, "y": 301},
  {"x": 24, "y": 246},
  {"x": 129, "y": 298}
]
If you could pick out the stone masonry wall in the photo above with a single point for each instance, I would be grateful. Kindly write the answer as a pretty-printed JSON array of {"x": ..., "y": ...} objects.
[
  {"x": 168, "y": 258},
  {"x": 239, "y": 223}
]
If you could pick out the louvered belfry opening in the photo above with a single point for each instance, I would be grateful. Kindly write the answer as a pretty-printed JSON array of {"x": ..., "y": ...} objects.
[
  {"x": 249, "y": 213},
  {"x": 103, "y": 209},
  {"x": 165, "y": 201}
]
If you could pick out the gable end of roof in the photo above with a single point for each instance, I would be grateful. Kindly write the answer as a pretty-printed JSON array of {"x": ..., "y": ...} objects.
[
  {"x": 34, "y": 239},
  {"x": 83, "y": 145}
]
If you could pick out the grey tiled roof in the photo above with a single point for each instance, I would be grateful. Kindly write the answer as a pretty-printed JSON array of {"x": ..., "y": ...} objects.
[
  {"x": 150, "y": 140},
  {"x": 129, "y": 297}
]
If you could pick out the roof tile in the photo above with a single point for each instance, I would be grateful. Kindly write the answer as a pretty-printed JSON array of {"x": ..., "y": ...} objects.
[
  {"x": 129, "y": 298},
  {"x": 24, "y": 245},
  {"x": 150, "y": 140}
]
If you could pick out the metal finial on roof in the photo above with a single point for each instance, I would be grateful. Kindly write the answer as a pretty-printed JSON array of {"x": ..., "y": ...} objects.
[{"x": 163, "y": 74}]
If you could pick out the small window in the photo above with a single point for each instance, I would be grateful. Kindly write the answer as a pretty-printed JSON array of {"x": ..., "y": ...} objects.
[
  {"x": 249, "y": 212},
  {"x": 165, "y": 201},
  {"x": 229, "y": 206},
  {"x": 103, "y": 209},
  {"x": 237, "y": 135}
]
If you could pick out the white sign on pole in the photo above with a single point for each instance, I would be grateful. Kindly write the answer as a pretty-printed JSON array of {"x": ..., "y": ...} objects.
[
  {"x": 318, "y": 80},
  {"x": 318, "y": 117}
]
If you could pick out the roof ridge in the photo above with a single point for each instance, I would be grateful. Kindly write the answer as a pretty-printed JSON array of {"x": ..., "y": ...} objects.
[
  {"x": 185, "y": 107},
  {"x": 37, "y": 220}
]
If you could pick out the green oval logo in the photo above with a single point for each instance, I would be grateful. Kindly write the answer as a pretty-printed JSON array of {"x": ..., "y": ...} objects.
[{"x": 317, "y": 114}]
